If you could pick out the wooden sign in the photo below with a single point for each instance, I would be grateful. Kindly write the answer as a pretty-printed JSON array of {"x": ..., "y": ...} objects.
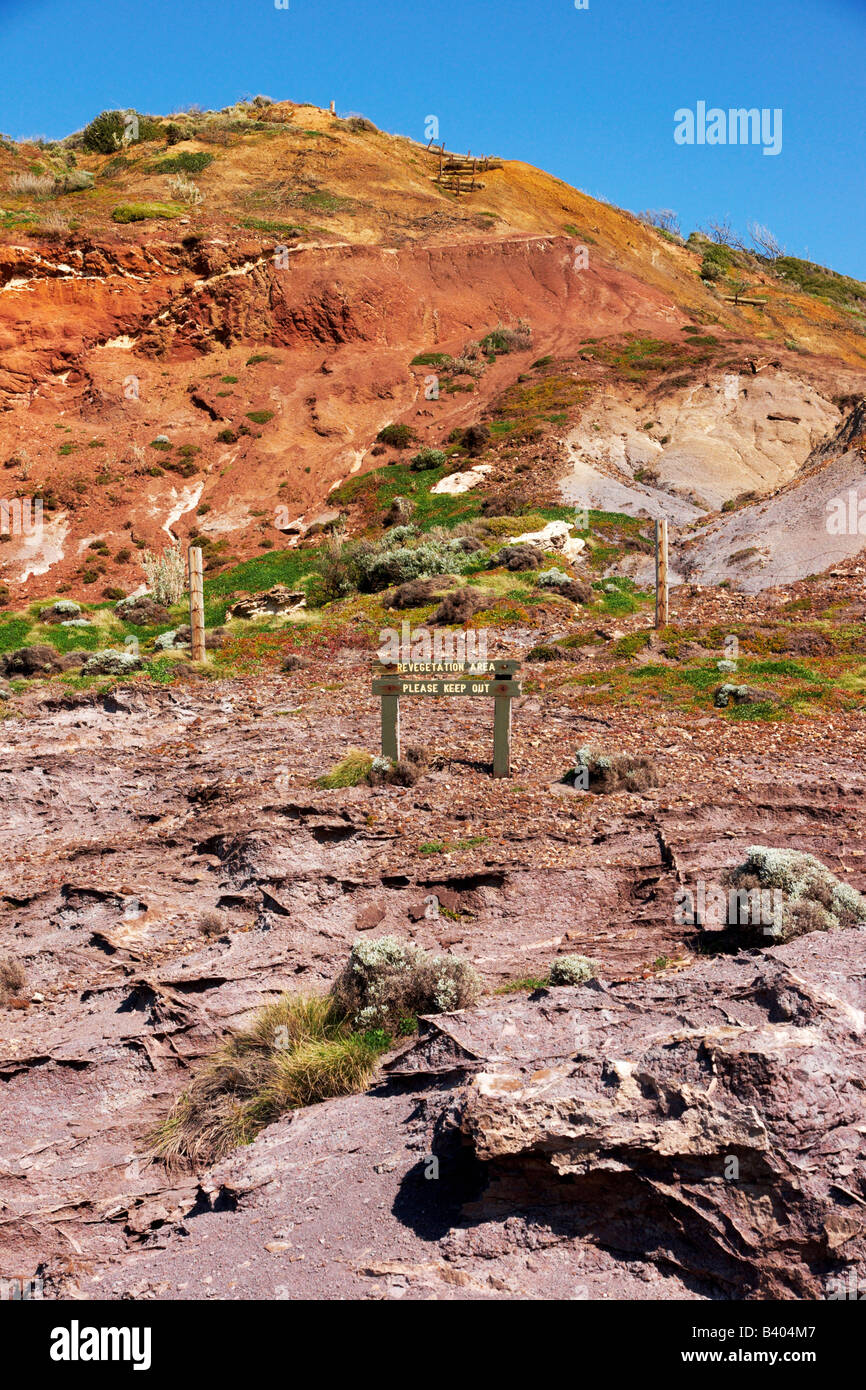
[{"x": 493, "y": 679}]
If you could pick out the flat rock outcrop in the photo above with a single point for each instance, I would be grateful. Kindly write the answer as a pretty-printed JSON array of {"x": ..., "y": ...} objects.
[{"x": 713, "y": 1121}]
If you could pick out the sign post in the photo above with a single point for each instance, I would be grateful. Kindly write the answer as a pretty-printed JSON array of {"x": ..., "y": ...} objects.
[{"x": 487, "y": 679}]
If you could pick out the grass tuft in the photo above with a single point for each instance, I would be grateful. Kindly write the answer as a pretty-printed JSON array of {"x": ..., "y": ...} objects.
[{"x": 295, "y": 1052}]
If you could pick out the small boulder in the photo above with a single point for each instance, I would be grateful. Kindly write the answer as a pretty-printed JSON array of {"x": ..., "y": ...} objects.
[
  {"x": 370, "y": 917},
  {"x": 277, "y": 600}
]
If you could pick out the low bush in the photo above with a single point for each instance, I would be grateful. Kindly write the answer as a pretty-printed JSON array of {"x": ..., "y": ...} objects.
[
  {"x": 415, "y": 594},
  {"x": 601, "y": 772},
  {"x": 166, "y": 574},
  {"x": 380, "y": 567},
  {"x": 13, "y": 979},
  {"x": 397, "y": 436},
  {"x": 459, "y": 606},
  {"x": 504, "y": 340},
  {"x": 553, "y": 578},
  {"x": 474, "y": 439},
  {"x": 518, "y": 558},
  {"x": 811, "y": 898},
  {"x": 75, "y": 181},
  {"x": 143, "y": 212},
  {"x": 426, "y": 459},
  {"x": 387, "y": 981},
  {"x": 184, "y": 162},
  {"x": 572, "y": 970},
  {"x": 405, "y": 772},
  {"x": 111, "y": 130},
  {"x": 185, "y": 190}
]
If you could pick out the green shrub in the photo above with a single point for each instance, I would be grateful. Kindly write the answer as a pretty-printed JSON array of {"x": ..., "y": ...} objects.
[
  {"x": 380, "y": 567},
  {"x": 505, "y": 340},
  {"x": 397, "y": 436},
  {"x": 184, "y": 162},
  {"x": 111, "y": 130},
  {"x": 105, "y": 133},
  {"x": 142, "y": 212},
  {"x": 75, "y": 181},
  {"x": 427, "y": 458},
  {"x": 260, "y": 417}
]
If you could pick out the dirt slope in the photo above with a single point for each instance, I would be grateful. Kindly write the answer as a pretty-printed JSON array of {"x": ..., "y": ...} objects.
[{"x": 111, "y": 335}]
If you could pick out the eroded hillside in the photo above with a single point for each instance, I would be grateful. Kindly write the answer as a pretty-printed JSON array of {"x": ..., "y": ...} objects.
[{"x": 264, "y": 335}]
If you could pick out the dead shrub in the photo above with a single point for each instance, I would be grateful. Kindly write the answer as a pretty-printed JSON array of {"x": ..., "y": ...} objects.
[
  {"x": 399, "y": 512},
  {"x": 211, "y": 923},
  {"x": 415, "y": 593},
  {"x": 405, "y": 772},
  {"x": 13, "y": 979},
  {"x": 519, "y": 557},
  {"x": 292, "y": 662},
  {"x": 474, "y": 439},
  {"x": 577, "y": 590},
  {"x": 459, "y": 606},
  {"x": 602, "y": 773},
  {"x": 809, "y": 642}
]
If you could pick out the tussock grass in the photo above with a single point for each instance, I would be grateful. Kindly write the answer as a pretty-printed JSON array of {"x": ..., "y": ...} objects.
[
  {"x": 349, "y": 771},
  {"x": 299, "y": 1050}
]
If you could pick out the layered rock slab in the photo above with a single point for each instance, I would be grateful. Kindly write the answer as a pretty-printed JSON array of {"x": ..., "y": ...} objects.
[{"x": 713, "y": 1121}]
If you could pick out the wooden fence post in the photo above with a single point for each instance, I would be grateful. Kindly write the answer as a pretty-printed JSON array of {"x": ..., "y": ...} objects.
[
  {"x": 391, "y": 727},
  {"x": 661, "y": 573},
  {"x": 502, "y": 736},
  {"x": 196, "y": 604}
]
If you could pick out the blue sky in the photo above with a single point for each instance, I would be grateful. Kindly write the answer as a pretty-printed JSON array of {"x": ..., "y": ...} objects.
[{"x": 589, "y": 95}]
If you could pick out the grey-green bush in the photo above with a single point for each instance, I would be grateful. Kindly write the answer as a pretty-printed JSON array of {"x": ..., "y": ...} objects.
[
  {"x": 572, "y": 970},
  {"x": 812, "y": 898},
  {"x": 387, "y": 981}
]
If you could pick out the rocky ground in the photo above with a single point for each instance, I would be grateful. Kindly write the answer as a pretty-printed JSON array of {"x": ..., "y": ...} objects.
[
  {"x": 131, "y": 813},
  {"x": 252, "y": 373}
]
